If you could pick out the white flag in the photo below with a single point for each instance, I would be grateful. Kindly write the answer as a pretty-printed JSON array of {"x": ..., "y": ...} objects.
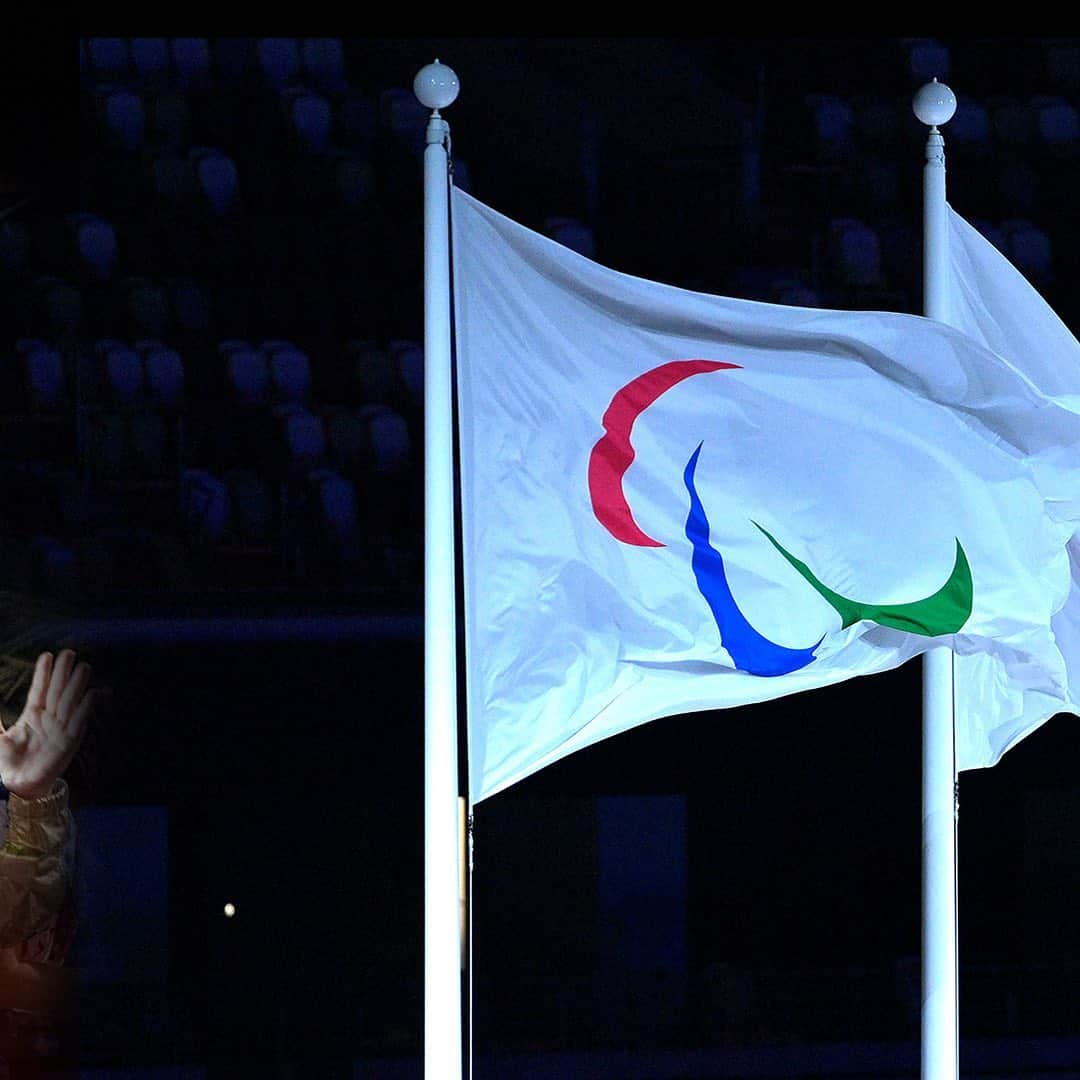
[
  {"x": 674, "y": 502},
  {"x": 991, "y": 300}
]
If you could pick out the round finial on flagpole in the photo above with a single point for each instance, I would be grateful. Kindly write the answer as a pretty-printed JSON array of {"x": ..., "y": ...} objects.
[
  {"x": 436, "y": 86},
  {"x": 934, "y": 104}
]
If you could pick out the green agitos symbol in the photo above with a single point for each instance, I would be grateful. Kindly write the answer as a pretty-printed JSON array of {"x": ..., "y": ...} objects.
[{"x": 942, "y": 612}]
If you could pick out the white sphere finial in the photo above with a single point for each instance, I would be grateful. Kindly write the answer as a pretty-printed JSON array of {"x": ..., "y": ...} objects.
[
  {"x": 436, "y": 86},
  {"x": 934, "y": 104}
]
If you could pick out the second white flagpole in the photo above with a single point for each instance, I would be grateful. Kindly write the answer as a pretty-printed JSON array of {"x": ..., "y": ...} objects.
[
  {"x": 935, "y": 104},
  {"x": 436, "y": 86}
]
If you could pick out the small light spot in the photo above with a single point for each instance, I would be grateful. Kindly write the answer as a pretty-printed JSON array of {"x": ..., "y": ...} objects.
[{"x": 230, "y": 911}]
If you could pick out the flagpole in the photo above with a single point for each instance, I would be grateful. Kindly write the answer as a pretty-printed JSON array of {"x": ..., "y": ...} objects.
[
  {"x": 436, "y": 86},
  {"x": 935, "y": 104}
]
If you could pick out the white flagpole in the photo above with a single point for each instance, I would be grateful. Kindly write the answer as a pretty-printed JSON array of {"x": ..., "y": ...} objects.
[
  {"x": 437, "y": 86},
  {"x": 935, "y": 104}
]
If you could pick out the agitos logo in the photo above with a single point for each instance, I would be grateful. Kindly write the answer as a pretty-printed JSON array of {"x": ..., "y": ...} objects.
[{"x": 943, "y": 612}]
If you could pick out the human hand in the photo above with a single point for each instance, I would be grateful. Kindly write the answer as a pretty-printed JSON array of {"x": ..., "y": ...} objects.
[{"x": 39, "y": 746}]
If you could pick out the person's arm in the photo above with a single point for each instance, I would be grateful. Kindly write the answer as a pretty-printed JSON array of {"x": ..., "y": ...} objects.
[{"x": 33, "y": 879}]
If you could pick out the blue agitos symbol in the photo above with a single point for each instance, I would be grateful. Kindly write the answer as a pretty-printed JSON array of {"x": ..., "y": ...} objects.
[{"x": 943, "y": 612}]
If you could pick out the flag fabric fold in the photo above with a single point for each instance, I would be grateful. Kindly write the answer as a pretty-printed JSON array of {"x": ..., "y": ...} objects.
[
  {"x": 992, "y": 302},
  {"x": 675, "y": 502}
]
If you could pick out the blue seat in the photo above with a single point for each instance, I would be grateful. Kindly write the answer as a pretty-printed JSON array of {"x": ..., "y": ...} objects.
[
  {"x": 1057, "y": 126},
  {"x": 927, "y": 59},
  {"x": 301, "y": 440},
  {"x": 324, "y": 65},
  {"x": 408, "y": 357},
  {"x": 1030, "y": 250},
  {"x": 371, "y": 371},
  {"x": 163, "y": 370},
  {"x": 218, "y": 180},
  {"x": 310, "y": 120},
  {"x": 290, "y": 371},
  {"x": 573, "y": 234},
  {"x": 247, "y": 375},
  {"x": 969, "y": 131},
  {"x": 150, "y": 57},
  {"x": 124, "y": 118},
  {"x": 404, "y": 118},
  {"x": 191, "y": 62},
  {"x": 14, "y": 245},
  {"x": 856, "y": 252},
  {"x": 833, "y": 122},
  {"x": 205, "y": 506},
  {"x": 43, "y": 376},
  {"x": 347, "y": 439},
  {"x": 278, "y": 61},
  {"x": 389, "y": 436},
  {"x": 122, "y": 372},
  {"x": 108, "y": 59},
  {"x": 95, "y": 244}
]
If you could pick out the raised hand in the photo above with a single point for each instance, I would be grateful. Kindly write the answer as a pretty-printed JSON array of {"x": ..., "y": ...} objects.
[{"x": 39, "y": 746}]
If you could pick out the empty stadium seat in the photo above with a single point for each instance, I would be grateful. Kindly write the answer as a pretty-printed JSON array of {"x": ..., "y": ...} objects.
[
  {"x": 123, "y": 117},
  {"x": 408, "y": 356},
  {"x": 122, "y": 372},
  {"x": 108, "y": 59},
  {"x": 927, "y": 59},
  {"x": 191, "y": 62},
  {"x": 14, "y": 245},
  {"x": 323, "y": 62},
  {"x": 247, "y": 375},
  {"x": 303, "y": 438},
  {"x": 43, "y": 376},
  {"x": 969, "y": 131},
  {"x": 1029, "y": 249},
  {"x": 150, "y": 58},
  {"x": 573, "y": 234},
  {"x": 309, "y": 119},
  {"x": 834, "y": 127},
  {"x": 404, "y": 118},
  {"x": 95, "y": 243},
  {"x": 218, "y": 180},
  {"x": 390, "y": 441},
  {"x": 205, "y": 506},
  {"x": 163, "y": 370},
  {"x": 856, "y": 252},
  {"x": 374, "y": 372},
  {"x": 290, "y": 371},
  {"x": 278, "y": 61},
  {"x": 1057, "y": 126}
]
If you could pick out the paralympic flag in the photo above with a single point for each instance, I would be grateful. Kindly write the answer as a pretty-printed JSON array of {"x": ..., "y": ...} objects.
[
  {"x": 991, "y": 301},
  {"x": 674, "y": 502}
]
